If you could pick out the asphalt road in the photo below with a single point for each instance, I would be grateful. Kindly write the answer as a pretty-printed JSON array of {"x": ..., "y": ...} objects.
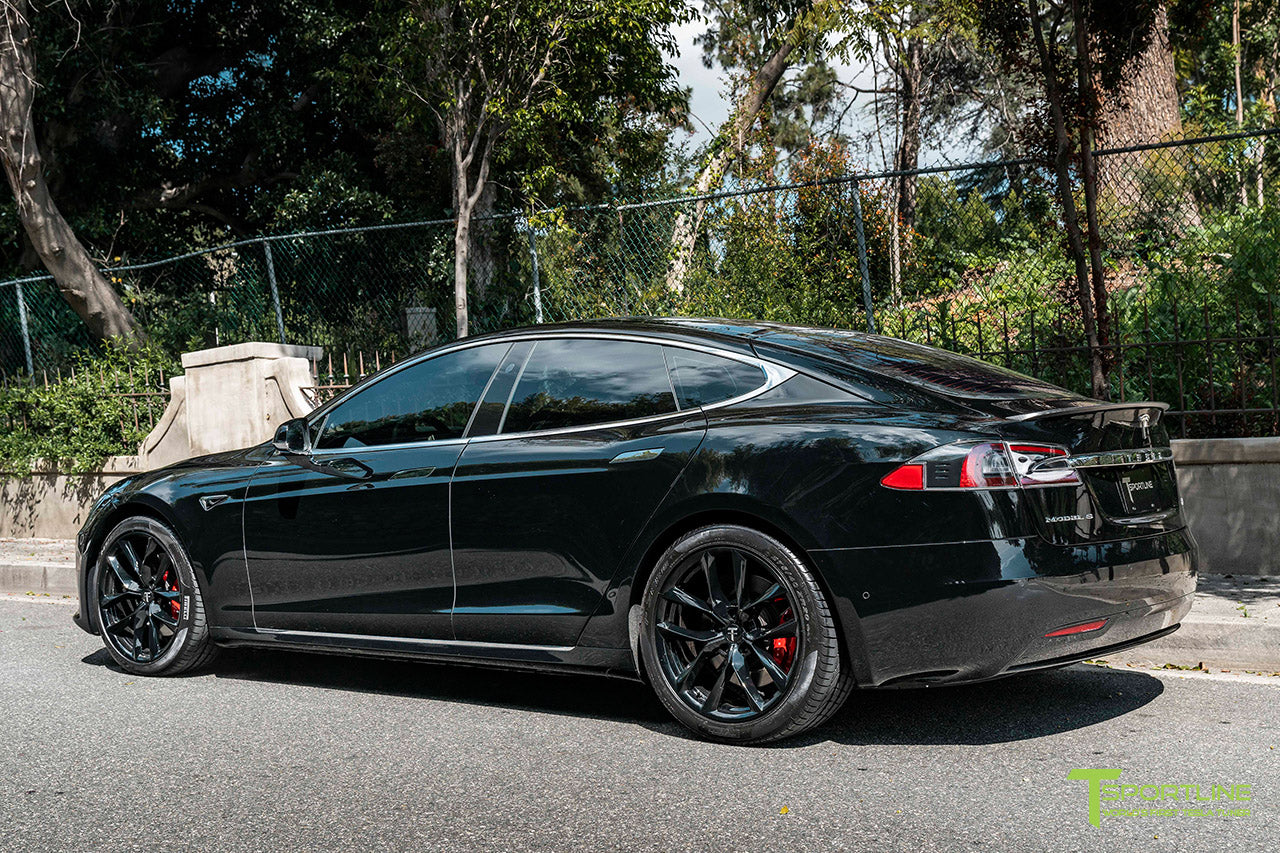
[{"x": 280, "y": 751}]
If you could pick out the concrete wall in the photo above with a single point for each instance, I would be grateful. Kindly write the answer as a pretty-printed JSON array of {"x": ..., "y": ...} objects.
[
  {"x": 52, "y": 505},
  {"x": 228, "y": 398},
  {"x": 1231, "y": 490}
]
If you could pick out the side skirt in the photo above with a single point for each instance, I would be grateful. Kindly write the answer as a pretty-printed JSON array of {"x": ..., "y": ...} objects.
[{"x": 615, "y": 663}]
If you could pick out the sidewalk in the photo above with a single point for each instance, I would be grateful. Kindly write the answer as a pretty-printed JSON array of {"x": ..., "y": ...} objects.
[
  {"x": 1233, "y": 625},
  {"x": 38, "y": 566}
]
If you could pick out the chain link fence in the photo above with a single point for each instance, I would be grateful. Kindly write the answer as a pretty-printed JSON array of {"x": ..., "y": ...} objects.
[{"x": 971, "y": 258}]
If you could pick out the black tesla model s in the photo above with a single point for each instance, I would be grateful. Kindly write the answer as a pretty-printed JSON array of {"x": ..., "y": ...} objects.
[{"x": 754, "y": 518}]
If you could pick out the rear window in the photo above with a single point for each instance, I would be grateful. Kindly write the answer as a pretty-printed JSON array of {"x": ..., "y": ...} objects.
[{"x": 924, "y": 367}]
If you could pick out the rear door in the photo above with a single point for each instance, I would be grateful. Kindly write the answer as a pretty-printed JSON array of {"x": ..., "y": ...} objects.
[{"x": 575, "y": 444}]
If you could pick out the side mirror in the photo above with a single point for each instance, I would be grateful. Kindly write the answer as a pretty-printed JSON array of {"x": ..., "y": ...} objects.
[{"x": 292, "y": 438}]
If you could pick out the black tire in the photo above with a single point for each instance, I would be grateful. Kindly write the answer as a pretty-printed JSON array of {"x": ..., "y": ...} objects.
[
  {"x": 146, "y": 603},
  {"x": 684, "y": 634}
]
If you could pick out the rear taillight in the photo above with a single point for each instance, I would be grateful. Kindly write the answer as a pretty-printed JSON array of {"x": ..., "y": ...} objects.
[{"x": 985, "y": 465}]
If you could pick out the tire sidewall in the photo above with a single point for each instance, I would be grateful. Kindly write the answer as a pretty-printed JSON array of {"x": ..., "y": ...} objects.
[
  {"x": 187, "y": 581},
  {"x": 792, "y": 574}
]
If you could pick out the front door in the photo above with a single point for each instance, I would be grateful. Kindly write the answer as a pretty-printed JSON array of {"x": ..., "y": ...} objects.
[{"x": 354, "y": 539}]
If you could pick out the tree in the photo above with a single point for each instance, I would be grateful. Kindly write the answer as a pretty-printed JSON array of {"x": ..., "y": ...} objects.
[
  {"x": 85, "y": 289},
  {"x": 490, "y": 74},
  {"x": 1079, "y": 54},
  {"x": 791, "y": 29},
  {"x": 913, "y": 41}
]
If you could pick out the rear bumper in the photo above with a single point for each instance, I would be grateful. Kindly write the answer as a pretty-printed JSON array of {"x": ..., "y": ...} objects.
[{"x": 978, "y": 610}]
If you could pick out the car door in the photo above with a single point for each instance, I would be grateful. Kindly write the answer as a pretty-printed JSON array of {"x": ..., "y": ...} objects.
[
  {"x": 586, "y": 439},
  {"x": 354, "y": 538}
]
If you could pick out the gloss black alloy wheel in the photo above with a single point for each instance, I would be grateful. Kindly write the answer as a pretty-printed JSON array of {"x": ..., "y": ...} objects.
[
  {"x": 148, "y": 605},
  {"x": 737, "y": 638},
  {"x": 727, "y": 634}
]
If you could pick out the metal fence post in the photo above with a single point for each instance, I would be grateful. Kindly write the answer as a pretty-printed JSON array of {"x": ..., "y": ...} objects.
[
  {"x": 26, "y": 331},
  {"x": 537, "y": 284},
  {"x": 862, "y": 258},
  {"x": 275, "y": 291}
]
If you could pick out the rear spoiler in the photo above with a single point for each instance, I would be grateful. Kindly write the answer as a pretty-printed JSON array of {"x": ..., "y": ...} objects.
[{"x": 1087, "y": 409}]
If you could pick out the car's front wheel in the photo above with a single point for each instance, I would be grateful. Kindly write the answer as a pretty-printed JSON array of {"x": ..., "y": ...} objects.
[
  {"x": 146, "y": 600},
  {"x": 737, "y": 638}
]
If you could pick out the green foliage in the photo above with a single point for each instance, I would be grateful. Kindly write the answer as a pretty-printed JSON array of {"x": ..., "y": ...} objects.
[{"x": 75, "y": 422}]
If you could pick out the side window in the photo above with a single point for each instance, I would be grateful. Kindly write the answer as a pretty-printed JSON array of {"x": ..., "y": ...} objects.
[
  {"x": 430, "y": 401},
  {"x": 578, "y": 382},
  {"x": 701, "y": 379}
]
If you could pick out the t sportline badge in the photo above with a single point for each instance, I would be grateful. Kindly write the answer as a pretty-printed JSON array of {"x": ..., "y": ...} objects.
[{"x": 1211, "y": 800}]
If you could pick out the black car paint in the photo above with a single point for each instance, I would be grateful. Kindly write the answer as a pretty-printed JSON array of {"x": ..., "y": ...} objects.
[{"x": 551, "y": 541}]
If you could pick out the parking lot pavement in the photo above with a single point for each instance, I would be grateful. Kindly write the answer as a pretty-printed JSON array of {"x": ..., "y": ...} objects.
[{"x": 282, "y": 751}]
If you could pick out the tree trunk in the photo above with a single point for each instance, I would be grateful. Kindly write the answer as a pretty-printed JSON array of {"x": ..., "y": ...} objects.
[
  {"x": 684, "y": 234},
  {"x": 1145, "y": 108},
  {"x": 1062, "y": 174},
  {"x": 907, "y": 157},
  {"x": 1089, "y": 179},
  {"x": 82, "y": 285},
  {"x": 1235, "y": 49}
]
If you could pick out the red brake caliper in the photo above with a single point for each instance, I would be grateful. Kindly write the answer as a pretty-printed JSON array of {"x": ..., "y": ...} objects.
[
  {"x": 784, "y": 648},
  {"x": 175, "y": 606}
]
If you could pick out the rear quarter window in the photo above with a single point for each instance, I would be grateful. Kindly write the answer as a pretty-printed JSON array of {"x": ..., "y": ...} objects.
[{"x": 701, "y": 379}]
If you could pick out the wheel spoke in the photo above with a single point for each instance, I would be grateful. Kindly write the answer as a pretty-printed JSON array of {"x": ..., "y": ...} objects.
[
  {"x": 119, "y": 626},
  {"x": 685, "y": 678},
  {"x": 168, "y": 621},
  {"x": 134, "y": 563},
  {"x": 712, "y": 702},
  {"x": 153, "y": 636},
  {"x": 770, "y": 666},
  {"x": 714, "y": 590},
  {"x": 113, "y": 598},
  {"x": 740, "y": 669},
  {"x": 168, "y": 594},
  {"x": 739, "y": 577},
  {"x": 679, "y": 596},
  {"x": 687, "y": 633},
  {"x": 786, "y": 629},
  {"x": 769, "y": 594},
  {"x": 122, "y": 574}
]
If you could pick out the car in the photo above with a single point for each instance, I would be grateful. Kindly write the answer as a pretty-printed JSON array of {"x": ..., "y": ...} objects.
[{"x": 752, "y": 518}]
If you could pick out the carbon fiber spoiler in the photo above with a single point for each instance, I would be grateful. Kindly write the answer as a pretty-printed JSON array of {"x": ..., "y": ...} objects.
[{"x": 1087, "y": 409}]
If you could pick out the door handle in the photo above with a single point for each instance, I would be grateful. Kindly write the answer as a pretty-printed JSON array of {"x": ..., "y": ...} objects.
[
  {"x": 637, "y": 455},
  {"x": 356, "y": 487}
]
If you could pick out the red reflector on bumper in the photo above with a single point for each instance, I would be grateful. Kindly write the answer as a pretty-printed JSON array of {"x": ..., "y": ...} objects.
[{"x": 1077, "y": 629}]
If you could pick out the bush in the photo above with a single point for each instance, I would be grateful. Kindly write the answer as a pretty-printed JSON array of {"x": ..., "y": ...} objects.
[{"x": 80, "y": 419}]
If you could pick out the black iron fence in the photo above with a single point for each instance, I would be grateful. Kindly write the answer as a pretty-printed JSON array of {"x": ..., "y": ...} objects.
[{"x": 977, "y": 262}]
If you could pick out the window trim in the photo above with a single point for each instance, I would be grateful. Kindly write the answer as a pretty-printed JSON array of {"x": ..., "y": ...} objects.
[
  {"x": 328, "y": 409},
  {"x": 775, "y": 375}
]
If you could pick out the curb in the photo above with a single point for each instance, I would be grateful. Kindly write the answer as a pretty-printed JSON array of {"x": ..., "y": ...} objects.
[
  {"x": 37, "y": 577},
  {"x": 1237, "y": 644}
]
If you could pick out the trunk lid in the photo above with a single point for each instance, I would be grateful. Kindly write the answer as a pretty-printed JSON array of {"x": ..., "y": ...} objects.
[{"x": 1121, "y": 454}]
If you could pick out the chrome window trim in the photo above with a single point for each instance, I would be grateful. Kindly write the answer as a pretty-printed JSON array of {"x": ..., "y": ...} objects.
[{"x": 775, "y": 375}]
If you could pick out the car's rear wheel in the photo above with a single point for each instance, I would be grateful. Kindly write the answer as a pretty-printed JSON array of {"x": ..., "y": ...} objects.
[
  {"x": 738, "y": 640},
  {"x": 146, "y": 600}
]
